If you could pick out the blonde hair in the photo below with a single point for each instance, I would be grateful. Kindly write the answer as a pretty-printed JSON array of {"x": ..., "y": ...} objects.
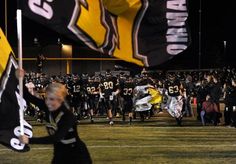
[{"x": 58, "y": 90}]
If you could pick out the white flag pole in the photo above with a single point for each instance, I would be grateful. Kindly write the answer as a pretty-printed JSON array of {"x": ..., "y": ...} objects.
[
  {"x": 6, "y": 19},
  {"x": 19, "y": 36}
]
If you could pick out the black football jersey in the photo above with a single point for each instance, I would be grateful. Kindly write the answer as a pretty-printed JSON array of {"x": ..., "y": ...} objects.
[
  {"x": 77, "y": 86},
  {"x": 109, "y": 85},
  {"x": 69, "y": 86},
  {"x": 127, "y": 90},
  {"x": 92, "y": 88},
  {"x": 173, "y": 88}
]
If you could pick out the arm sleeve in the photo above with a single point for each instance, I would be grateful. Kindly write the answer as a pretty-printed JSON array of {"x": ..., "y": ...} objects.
[
  {"x": 34, "y": 100},
  {"x": 64, "y": 125}
]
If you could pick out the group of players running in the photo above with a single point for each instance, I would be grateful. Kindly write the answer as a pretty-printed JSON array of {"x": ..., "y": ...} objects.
[{"x": 114, "y": 96}]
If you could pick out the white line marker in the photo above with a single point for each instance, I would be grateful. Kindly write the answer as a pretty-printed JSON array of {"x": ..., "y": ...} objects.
[{"x": 141, "y": 146}]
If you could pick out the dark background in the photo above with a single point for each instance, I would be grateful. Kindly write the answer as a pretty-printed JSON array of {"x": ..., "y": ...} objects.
[{"x": 218, "y": 19}]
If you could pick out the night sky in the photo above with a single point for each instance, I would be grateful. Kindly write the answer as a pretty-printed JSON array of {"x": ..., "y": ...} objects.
[{"x": 218, "y": 18}]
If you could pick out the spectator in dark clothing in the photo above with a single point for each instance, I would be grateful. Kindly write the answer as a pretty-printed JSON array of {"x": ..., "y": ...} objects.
[
  {"x": 216, "y": 92},
  {"x": 201, "y": 96},
  {"x": 189, "y": 88},
  {"x": 40, "y": 60},
  {"x": 208, "y": 84},
  {"x": 232, "y": 103},
  {"x": 227, "y": 97}
]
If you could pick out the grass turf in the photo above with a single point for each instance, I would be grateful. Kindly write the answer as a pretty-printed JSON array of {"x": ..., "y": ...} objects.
[{"x": 154, "y": 141}]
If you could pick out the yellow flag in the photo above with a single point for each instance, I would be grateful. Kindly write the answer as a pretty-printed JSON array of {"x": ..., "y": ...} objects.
[
  {"x": 5, "y": 51},
  {"x": 117, "y": 7},
  {"x": 156, "y": 96}
]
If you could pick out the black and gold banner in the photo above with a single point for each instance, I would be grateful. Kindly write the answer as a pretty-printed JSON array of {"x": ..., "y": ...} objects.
[
  {"x": 10, "y": 100},
  {"x": 144, "y": 32}
]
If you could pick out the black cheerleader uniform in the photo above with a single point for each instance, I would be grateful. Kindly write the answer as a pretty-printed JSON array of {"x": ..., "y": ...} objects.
[{"x": 62, "y": 129}]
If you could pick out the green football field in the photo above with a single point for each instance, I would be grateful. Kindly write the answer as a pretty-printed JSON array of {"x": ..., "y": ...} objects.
[{"x": 157, "y": 140}]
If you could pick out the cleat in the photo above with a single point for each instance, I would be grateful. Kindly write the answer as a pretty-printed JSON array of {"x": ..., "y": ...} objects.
[{"x": 111, "y": 123}]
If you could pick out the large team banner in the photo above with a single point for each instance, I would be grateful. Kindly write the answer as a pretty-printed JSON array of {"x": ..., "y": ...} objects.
[
  {"x": 10, "y": 100},
  {"x": 144, "y": 32}
]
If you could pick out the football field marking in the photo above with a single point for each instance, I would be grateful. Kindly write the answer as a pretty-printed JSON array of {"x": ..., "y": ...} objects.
[{"x": 134, "y": 146}]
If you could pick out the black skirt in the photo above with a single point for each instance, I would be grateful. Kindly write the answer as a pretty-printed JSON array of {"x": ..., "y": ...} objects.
[{"x": 76, "y": 153}]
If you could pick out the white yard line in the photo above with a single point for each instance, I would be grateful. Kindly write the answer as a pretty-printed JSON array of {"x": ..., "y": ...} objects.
[{"x": 141, "y": 146}]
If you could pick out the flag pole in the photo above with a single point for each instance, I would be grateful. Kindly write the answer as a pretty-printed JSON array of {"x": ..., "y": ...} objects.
[
  {"x": 200, "y": 36},
  {"x": 6, "y": 21},
  {"x": 20, "y": 63}
]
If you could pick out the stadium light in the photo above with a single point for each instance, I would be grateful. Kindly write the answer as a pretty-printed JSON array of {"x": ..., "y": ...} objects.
[
  {"x": 225, "y": 43},
  {"x": 58, "y": 41},
  {"x": 36, "y": 41},
  {"x": 67, "y": 50}
]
